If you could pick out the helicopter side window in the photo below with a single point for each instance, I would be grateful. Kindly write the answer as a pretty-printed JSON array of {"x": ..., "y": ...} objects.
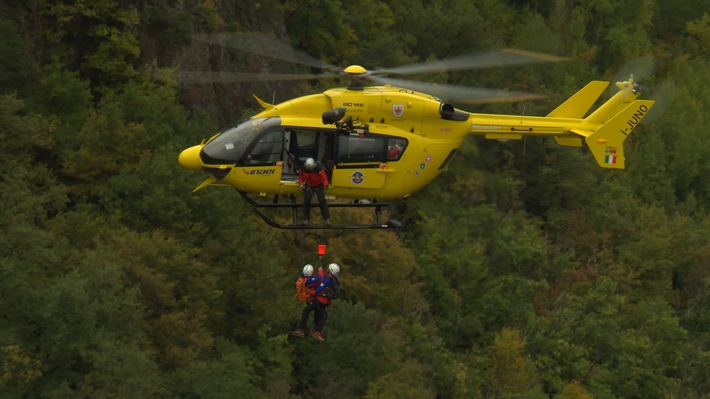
[
  {"x": 395, "y": 147},
  {"x": 307, "y": 146},
  {"x": 353, "y": 148},
  {"x": 267, "y": 149}
]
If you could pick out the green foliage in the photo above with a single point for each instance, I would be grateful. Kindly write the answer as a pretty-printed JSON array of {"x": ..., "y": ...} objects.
[
  {"x": 62, "y": 94},
  {"x": 228, "y": 374},
  {"x": 334, "y": 39},
  {"x": 395, "y": 288},
  {"x": 122, "y": 142},
  {"x": 406, "y": 381},
  {"x": 596, "y": 331},
  {"x": 423, "y": 35},
  {"x": 671, "y": 19},
  {"x": 109, "y": 47},
  {"x": 511, "y": 374},
  {"x": 74, "y": 312},
  {"x": 700, "y": 32},
  {"x": 17, "y": 70},
  {"x": 574, "y": 390},
  {"x": 29, "y": 194},
  {"x": 171, "y": 23},
  {"x": 362, "y": 346},
  {"x": 621, "y": 32}
]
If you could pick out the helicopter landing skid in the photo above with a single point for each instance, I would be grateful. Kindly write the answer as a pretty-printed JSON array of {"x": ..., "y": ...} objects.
[{"x": 296, "y": 225}]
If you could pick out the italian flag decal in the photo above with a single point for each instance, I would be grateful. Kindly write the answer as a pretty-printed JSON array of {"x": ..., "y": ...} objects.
[{"x": 610, "y": 159}]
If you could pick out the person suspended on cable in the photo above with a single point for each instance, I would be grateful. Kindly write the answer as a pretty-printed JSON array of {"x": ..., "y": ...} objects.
[
  {"x": 325, "y": 293},
  {"x": 306, "y": 286}
]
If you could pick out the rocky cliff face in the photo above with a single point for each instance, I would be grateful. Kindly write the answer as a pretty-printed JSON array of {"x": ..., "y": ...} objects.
[
  {"x": 215, "y": 92},
  {"x": 224, "y": 100}
]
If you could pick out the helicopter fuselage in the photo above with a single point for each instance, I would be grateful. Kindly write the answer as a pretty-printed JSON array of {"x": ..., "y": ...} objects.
[
  {"x": 398, "y": 142},
  {"x": 386, "y": 142}
]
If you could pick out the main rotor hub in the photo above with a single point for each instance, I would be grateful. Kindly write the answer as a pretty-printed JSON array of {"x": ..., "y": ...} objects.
[{"x": 356, "y": 71}]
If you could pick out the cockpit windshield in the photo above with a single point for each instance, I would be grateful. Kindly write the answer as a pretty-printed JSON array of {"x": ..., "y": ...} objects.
[{"x": 228, "y": 147}]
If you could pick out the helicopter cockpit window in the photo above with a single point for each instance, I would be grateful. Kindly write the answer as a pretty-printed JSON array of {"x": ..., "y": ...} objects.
[
  {"x": 267, "y": 149},
  {"x": 229, "y": 146}
]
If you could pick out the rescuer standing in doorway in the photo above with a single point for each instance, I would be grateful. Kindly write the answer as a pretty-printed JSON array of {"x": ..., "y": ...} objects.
[{"x": 312, "y": 178}]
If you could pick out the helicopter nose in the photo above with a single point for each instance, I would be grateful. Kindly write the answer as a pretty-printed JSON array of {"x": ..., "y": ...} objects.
[{"x": 190, "y": 158}]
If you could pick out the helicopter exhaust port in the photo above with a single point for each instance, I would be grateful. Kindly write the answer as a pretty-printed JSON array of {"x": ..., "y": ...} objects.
[
  {"x": 334, "y": 115},
  {"x": 448, "y": 112}
]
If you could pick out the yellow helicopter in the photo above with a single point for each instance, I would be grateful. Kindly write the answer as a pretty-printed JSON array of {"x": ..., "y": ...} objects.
[{"x": 385, "y": 142}]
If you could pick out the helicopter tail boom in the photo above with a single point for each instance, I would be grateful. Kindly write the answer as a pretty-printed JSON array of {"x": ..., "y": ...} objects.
[{"x": 604, "y": 130}]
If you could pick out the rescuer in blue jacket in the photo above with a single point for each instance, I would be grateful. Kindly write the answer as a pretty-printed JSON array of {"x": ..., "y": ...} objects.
[
  {"x": 326, "y": 291},
  {"x": 312, "y": 305}
]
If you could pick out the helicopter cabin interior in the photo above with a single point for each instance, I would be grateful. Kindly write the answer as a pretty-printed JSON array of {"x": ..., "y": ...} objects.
[{"x": 290, "y": 147}]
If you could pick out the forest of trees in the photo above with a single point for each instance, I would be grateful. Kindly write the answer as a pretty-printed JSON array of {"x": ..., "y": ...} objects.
[{"x": 523, "y": 271}]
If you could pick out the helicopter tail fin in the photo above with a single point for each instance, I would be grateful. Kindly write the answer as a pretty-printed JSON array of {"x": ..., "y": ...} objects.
[
  {"x": 606, "y": 142},
  {"x": 578, "y": 105}
]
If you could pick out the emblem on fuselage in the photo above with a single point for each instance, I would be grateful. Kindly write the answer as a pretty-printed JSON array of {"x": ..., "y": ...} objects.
[
  {"x": 357, "y": 177},
  {"x": 397, "y": 110}
]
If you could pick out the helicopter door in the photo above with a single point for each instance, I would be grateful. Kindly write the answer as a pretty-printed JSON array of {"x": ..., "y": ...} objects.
[
  {"x": 290, "y": 157},
  {"x": 316, "y": 144},
  {"x": 357, "y": 161},
  {"x": 262, "y": 163}
]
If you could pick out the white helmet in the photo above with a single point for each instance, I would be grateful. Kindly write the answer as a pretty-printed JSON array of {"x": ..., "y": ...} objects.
[
  {"x": 334, "y": 268},
  {"x": 307, "y": 270},
  {"x": 309, "y": 164}
]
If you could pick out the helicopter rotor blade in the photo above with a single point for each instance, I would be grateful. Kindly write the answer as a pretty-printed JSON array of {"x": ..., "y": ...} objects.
[
  {"x": 644, "y": 68},
  {"x": 662, "y": 94},
  {"x": 267, "y": 46},
  {"x": 264, "y": 45},
  {"x": 207, "y": 77},
  {"x": 461, "y": 94},
  {"x": 490, "y": 59}
]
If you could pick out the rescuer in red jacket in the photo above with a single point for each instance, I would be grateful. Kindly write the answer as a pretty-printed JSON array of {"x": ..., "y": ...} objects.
[{"x": 312, "y": 178}]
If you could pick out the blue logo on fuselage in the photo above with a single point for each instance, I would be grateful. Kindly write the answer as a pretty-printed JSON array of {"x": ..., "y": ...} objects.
[{"x": 357, "y": 177}]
